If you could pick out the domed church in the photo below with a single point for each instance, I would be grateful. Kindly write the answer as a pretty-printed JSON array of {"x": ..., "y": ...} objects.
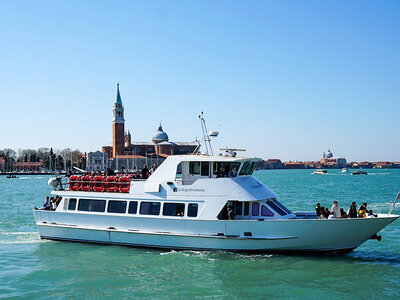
[{"x": 125, "y": 154}]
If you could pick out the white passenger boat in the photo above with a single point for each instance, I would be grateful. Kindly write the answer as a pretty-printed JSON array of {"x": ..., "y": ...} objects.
[{"x": 184, "y": 205}]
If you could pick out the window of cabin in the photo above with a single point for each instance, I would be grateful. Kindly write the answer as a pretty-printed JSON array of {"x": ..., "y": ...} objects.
[
  {"x": 244, "y": 168},
  {"x": 150, "y": 208},
  {"x": 266, "y": 212},
  {"x": 194, "y": 167},
  {"x": 250, "y": 168},
  {"x": 275, "y": 207},
  {"x": 246, "y": 209},
  {"x": 132, "y": 207},
  {"x": 282, "y": 206},
  {"x": 192, "y": 210},
  {"x": 92, "y": 205},
  {"x": 255, "y": 209},
  {"x": 179, "y": 171},
  {"x": 118, "y": 207},
  {"x": 72, "y": 204},
  {"x": 238, "y": 208},
  {"x": 205, "y": 168},
  {"x": 174, "y": 209}
]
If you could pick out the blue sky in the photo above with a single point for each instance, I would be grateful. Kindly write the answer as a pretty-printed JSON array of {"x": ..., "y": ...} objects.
[{"x": 283, "y": 79}]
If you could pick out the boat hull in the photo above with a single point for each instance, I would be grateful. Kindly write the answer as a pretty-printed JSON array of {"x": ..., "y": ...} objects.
[{"x": 293, "y": 235}]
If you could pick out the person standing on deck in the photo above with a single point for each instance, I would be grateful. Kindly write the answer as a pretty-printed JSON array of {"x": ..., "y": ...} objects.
[{"x": 335, "y": 210}]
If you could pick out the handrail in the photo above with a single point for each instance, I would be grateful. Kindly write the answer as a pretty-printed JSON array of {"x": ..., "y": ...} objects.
[{"x": 393, "y": 208}]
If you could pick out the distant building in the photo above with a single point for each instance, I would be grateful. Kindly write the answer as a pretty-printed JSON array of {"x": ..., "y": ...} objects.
[
  {"x": 328, "y": 161},
  {"x": 294, "y": 165},
  {"x": 24, "y": 166},
  {"x": 383, "y": 165},
  {"x": 127, "y": 155},
  {"x": 2, "y": 164},
  {"x": 274, "y": 164},
  {"x": 96, "y": 161}
]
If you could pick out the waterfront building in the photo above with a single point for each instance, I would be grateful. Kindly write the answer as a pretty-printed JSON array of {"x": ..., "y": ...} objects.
[
  {"x": 96, "y": 161},
  {"x": 383, "y": 165},
  {"x": 2, "y": 164},
  {"x": 294, "y": 165},
  {"x": 27, "y": 166},
  {"x": 274, "y": 163},
  {"x": 328, "y": 161},
  {"x": 125, "y": 154}
]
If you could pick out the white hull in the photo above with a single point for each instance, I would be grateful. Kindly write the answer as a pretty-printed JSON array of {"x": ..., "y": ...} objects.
[{"x": 273, "y": 235}]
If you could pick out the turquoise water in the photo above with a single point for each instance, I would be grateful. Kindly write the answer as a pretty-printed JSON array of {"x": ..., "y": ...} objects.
[{"x": 32, "y": 268}]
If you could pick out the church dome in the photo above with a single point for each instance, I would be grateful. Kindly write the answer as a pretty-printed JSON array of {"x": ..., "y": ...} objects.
[
  {"x": 329, "y": 154},
  {"x": 160, "y": 136}
]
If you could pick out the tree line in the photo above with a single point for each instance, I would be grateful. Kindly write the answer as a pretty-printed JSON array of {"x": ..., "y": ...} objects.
[{"x": 52, "y": 159}]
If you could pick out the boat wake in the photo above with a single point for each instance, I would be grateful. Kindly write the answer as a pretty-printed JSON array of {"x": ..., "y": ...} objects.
[{"x": 14, "y": 238}]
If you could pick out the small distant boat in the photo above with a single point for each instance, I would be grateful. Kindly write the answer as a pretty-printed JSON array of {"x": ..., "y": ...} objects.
[
  {"x": 345, "y": 170},
  {"x": 12, "y": 176},
  {"x": 359, "y": 172},
  {"x": 320, "y": 171}
]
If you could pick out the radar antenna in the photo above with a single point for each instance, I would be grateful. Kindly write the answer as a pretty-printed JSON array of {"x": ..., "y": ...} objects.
[{"x": 206, "y": 137}]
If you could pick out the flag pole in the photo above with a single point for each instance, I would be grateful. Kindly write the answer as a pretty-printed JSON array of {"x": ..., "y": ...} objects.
[{"x": 394, "y": 203}]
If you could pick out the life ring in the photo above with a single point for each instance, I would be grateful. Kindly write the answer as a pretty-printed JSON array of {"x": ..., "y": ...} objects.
[
  {"x": 99, "y": 184},
  {"x": 124, "y": 184},
  {"x": 86, "y": 183},
  {"x": 74, "y": 183},
  {"x": 112, "y": 184}
]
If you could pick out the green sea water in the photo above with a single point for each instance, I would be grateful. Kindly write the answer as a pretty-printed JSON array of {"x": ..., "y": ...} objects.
[{"x": 34, "y": 269}]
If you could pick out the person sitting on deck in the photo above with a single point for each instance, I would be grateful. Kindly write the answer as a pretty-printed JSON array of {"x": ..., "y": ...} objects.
[
  {"x": 326, "y": 213},
  {"x": 362, "y": 211},
  {"x": 319, "y": 210},
  {"x": 352, "y": 212},
  {"x": 343, "y": 214}
]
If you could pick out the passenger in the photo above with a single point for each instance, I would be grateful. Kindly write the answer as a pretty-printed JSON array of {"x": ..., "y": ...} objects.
[
  {"x": 145, "y": 172},
  {"x": 231, "y": 215},
  {"x": 221, "y": 172},
  {"x": 352, "y": 212},
  {"x": 46, "y": 204},
  {"x": 326, "y": 213},
  {"x": 335, "y": 210},
  {"x": 319, "y": 210},
  {"x": 53, "y": 205},
  {"x": 362, "y": 211},
  {"x": 343, "y": 214},
  {"x": 153, "y": 168},
  {"x": 233, "y": 172}
]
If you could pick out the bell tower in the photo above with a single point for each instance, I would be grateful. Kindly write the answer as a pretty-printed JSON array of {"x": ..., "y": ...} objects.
[{"x": 118, "y": 126}]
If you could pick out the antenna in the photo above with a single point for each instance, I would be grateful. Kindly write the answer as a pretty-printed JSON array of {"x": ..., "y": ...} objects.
[{"x": 206, "y": 136}]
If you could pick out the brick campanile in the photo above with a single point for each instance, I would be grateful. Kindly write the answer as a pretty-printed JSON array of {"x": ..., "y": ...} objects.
[{"x": 118, "y": 126}]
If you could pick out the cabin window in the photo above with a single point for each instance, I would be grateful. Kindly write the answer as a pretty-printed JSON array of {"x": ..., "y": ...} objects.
[
  {"x": 255, "y": 209},
  {"x": 132, "y": 207},
  {"x": 238, "y": 208},
  {"x": 150, "y": 208},
  {"x": 205, "y": 168},
  {"x": 223, "y": 169},
  {"x": 179, "y": 171},
  {"x": 72, "y": 204},
  {"x": 118, "y": 207},
  {"x": 246, "y": 209},
  {"x": 194, "y": 167},
  {"x": 282, "y": 206},
  {"x": 250, "y": 168},
  {"x": 275, "y": 207},
  {"x": 192, "y": 210},
  {"x": 92, "y": 205},
  {"x": 266, "y": 212},
  {"x": 244, "y": 168},
  {"x": 173, "y": 209}
]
